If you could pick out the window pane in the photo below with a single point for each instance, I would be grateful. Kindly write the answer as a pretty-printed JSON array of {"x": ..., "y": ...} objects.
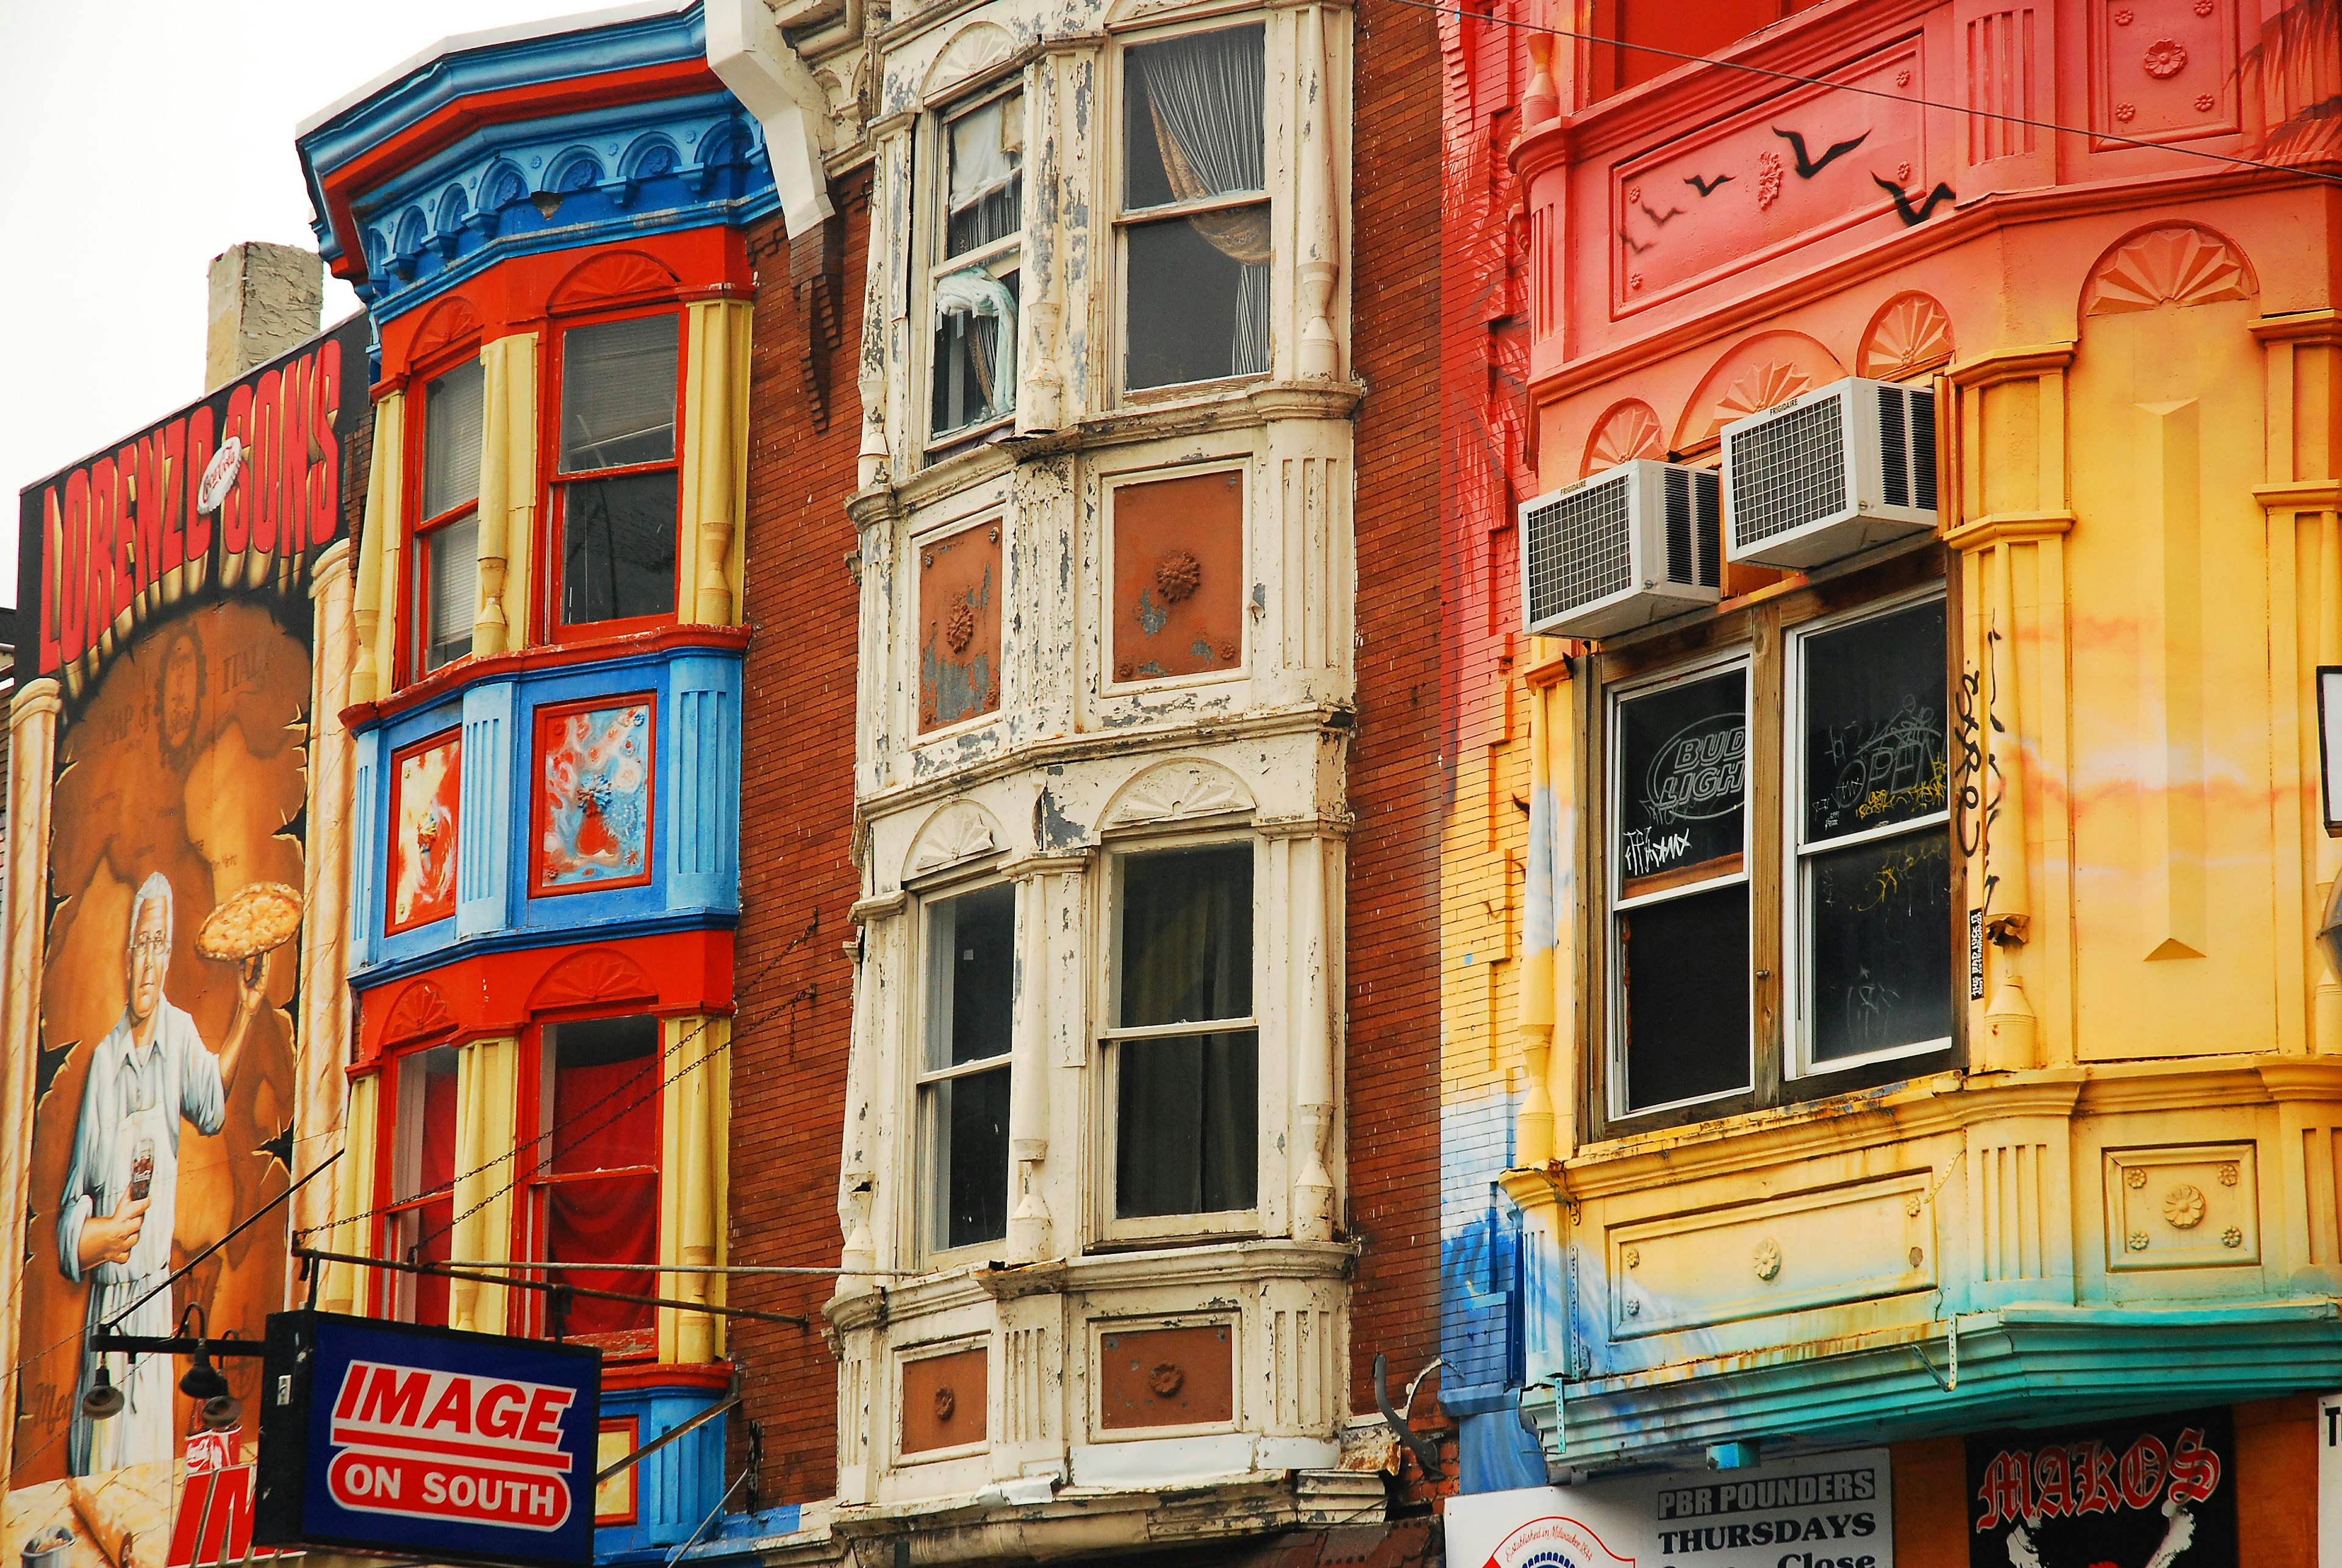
[
  {"x": 618, "y": 548},
  {"x": 617, "y": 394},
  {"x": 967, "y": 1148},
  {"x": 975, "y": 349},
  {"x": 1682, "y": 761},
  {"x": 1187, "y": 936},
  {"x": 611, "y": 1220},
  {"x": 1880, "y": 928},
  {"x": 1188, "y": 1133},
  {"x": 1684, "y": 971},
  {"x": 1874, "y": 722},
  {"x": 987, "y": 153},
  {"x": 451, "y": 570},
  {"x": 1198, "y": 296},
  {"x": 603, "y": 1111},
  {"x": 451, "y": 439},
  {"x": 426, "y": 1163},
  {"x": 971, "y": 948},
  {"x": 1192, "y": 121}
]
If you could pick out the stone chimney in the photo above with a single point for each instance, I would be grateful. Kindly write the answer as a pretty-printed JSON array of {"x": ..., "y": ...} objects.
[{"x": 265, "y": 298}]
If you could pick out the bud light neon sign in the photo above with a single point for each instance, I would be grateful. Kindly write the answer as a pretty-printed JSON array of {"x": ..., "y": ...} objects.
[{"x": 397, "y": 1438}]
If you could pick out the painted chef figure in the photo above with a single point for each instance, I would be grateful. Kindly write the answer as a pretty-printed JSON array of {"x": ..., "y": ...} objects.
[{"x": 150, "y": 1072}]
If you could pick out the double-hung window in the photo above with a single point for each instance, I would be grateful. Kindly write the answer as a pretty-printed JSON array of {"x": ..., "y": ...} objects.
[
  {"x": 963, "y": 1070},
  {"x": 1679, "y": 890},
  {"x": 1186, "y": 1045},
  {"x": 1194, "y": 219},
  {"x": 417, "y": 1222},
  {"x": 446, "y": 574},
  {"x": 1777, "y": 852},
  {"x": 616, "y": 485},
  {"x": 974, "y": 287},
  {"x": 592, "y": 1177},
  {"x": 1870, "y": 911}
]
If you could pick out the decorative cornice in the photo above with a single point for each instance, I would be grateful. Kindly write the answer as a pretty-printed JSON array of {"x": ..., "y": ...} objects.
[
  {"x": 2001, "y": 364},
  {"x": 637, "y": 648},
  {"x": 2300, "y": 495},
  {"x": 2307, "y": 326},
  {"x": 2009, "y": 527}
]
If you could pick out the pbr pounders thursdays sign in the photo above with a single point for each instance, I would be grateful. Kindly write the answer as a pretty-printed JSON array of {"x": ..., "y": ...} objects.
[{"x": 396, "y": 1438}]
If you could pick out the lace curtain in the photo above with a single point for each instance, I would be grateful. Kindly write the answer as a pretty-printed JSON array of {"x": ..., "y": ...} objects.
[{"x": 1204, "y": 93}]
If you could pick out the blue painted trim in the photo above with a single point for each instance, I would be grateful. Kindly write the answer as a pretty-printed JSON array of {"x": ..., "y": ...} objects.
[
  {"x": 695, "y": 850},
  {"x": 676, "y": 1488},
  {"x": 493, "y": 69}
]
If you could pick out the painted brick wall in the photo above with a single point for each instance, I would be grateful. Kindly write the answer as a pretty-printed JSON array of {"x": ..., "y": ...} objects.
[
  {"x": 1397, "y": 790},
  {"x": 794, "y": 986}
]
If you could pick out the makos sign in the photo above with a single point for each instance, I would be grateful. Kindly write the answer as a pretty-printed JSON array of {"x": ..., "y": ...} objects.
[{"x": 396, "y": 1438}]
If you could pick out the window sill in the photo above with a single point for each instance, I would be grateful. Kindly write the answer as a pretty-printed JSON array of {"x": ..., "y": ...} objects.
[{"x": 472, "y": 669}]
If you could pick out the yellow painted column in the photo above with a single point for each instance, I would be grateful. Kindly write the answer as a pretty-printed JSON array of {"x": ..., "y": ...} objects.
[
  {"x": 375, "y": 608},
  {"x": 507, "y": 492},
  {"x": 1542, "y": 1130},
  {"x": 714, "y": 462},
  {"x": 344, "y": 1287},
  {"x": 695, "y": 1122},
  {"x": 487, "y": 1088},
  {"x": 321, "y": 1042},
  {"x": 32, "y": 766}
]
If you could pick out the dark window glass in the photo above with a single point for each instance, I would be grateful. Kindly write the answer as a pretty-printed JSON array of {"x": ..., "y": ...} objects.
[
  {"x": 1190, "y": 1125},
  {"x": 1879, "y": 918},
  {"x": 1187, "y": 937},
  {"x": 1683, "y": 757},
  {"x": 1684, "y": 971},
  {"x": 1198, "y": 286},
  {"x": 617, "y": 394},
  {"x": 975, "y": 348},
  {"x": 1874, "y": 722},
  {"x": 971, "y": 953},
  {"x": 617, "y": 548}
]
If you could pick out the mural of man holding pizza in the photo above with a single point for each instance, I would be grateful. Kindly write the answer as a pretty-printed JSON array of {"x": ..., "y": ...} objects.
[{"x": 151, "y": 1071}]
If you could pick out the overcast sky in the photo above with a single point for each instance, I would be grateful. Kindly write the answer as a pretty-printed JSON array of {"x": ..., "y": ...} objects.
[{"x": 151, "y": 135}]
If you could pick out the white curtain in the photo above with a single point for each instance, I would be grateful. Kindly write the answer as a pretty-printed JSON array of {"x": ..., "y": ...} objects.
[
  {"x": 990, "y": 313},
  {"x": 984, "y": 169},
  {"x": 1204, "y": 92}
]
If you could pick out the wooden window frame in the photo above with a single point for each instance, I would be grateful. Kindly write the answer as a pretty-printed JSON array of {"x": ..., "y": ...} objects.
[
  {"x": 1759, "y": 622},
  {"x": 1126, "y": 218},
  {"x": 931, "y": 1256},
  {"x": 554, "y": 483},
  {"x": 415, "y": 587},
  {"x": 1114, "y": 1233},
  {"x": 392, "y": 1292},
  {"x": 1006, "y": 253},
  {"x": 532, "y": 1153}
]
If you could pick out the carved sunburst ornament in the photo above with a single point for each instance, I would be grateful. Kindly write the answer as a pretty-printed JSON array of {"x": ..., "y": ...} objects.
[
  {"x": 1761, "y": 388},
  {"x": 2181, "y": 265},
  {"x": 1627, "y": 431},
  {"x": 1911, "y": 333}
]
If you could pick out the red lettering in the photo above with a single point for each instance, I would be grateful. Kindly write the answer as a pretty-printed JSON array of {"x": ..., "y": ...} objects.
[
  {"x": 500, "y": 1410},
  {"x": 267, "y": 461},
  {"x": 354, "y": 1383},
  {"x": 52, "y": 531},
  {"x": 2195, "y": 1468},
  {"x": 200, "y": 445},
  {"x": 167, "y": 476},
  {"x": 71, "y": 569},
  {"x": 293, "y": 527},
  {"x": 454, "y": 1407},
  {"x": 2094, "y": 1479},
  {"x": 151, "y": 470},
  {"x": 543, "y": 1424},
  {"x": 236, "y": 513},
  {"x": 105, "y": 499},
  {"x": 325, "y": 476},
  {"x": 2004, "y": 1491},
  {"x": 2052, "y": 1499},
  {"x": 125, "y": 529},
  {"x": 395, "y": 1400},
  {"x": 2142, "y": 1470}
]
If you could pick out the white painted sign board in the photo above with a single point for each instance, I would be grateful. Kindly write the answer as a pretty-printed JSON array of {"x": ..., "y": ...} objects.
[{"x": 1819, "y": 1511}]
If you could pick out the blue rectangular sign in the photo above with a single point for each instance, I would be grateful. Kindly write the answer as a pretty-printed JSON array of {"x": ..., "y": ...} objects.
[{"x": 402, "y": 1439}]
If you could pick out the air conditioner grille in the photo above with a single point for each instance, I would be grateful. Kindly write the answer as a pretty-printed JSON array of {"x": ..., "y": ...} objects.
[
  {"x": 1789, "y": 471},
  {"x": 1707, "y": 492},
  {"x": 1579, "y": 550},
  {"x": 1695, "y": 534},
  {"x": 1923, "y": 443},
  {"x": 1894, "y": 448}
]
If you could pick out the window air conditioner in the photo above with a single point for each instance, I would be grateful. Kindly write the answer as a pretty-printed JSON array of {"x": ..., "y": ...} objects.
[
  {"x": 1836, "y": 471},
  {"x": 1629, "y": 546}
]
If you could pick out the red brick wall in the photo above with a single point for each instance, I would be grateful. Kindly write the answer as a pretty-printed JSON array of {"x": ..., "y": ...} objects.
[
  {"x": 1395, "y": 785},
  {"x": 794, "y": 986}
]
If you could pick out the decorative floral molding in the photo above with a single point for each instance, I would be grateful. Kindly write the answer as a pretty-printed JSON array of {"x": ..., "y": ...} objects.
[
  {"x": 1910, "y": 334},
  {"x": 1630, "y": 430},
  {"x": 2178, "y": 264},
  {"x": 959, "y": 832},
  {"x": 596, "y": 976},
  {"x": 1179, "y": 790}
]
